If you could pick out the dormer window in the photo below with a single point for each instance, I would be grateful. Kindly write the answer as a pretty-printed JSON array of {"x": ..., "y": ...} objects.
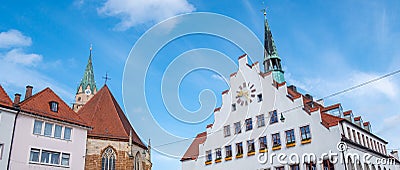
[{"x": 54, "y": 106}]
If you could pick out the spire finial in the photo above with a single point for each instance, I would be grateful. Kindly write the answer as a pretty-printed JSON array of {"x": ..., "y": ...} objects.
[{"x": 91, "y": 48}]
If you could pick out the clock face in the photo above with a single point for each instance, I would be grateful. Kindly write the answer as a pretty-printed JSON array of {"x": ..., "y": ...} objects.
[
  {"x": 245, "y": 94},
  {"x": 88, "y": 92}
]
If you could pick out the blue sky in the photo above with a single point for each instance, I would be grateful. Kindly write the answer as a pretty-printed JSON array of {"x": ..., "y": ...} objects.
[{"x": 326, "y": 46}]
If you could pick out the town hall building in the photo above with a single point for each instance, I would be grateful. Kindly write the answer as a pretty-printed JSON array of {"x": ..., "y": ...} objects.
[{"x": 262, "y": 117}]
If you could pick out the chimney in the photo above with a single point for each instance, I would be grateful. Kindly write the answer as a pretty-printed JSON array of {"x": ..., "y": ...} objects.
[
  {"x": 28, "y": 92},
  {"x": 17, "y": 99}
]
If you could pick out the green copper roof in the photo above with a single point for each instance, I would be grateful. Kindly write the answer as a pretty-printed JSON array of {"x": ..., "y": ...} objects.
[
  {"x": 269, "y": 44},
  {"x": 272, "y": 61},
  {"x": 88, "y": 77}
]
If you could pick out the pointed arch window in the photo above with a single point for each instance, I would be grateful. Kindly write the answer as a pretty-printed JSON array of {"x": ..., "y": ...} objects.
[
  {"x": 108, "y": 159},
  {"x": 137, "y": 161}
]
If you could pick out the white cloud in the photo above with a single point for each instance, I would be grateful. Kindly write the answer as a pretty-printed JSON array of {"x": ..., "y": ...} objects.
[
  {"x": 135, "y": 12},
  {"x": 17, "y": 56},
  {"x": 14, "y": 38},
  {"x": 17, "y": 67},
  {"x": 217, "y": 77}
]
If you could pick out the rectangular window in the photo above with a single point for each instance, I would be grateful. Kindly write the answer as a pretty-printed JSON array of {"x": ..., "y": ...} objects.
[
  {"x": 48, "y": 129},
  {"x": 45, "y": 158},
  {"x": 67, "y": 133},
  {"x": 239, "y": 149},
  {"x": 208, "y": 155},
  {"x": 238, "y": 129},
  {"x": 354, "y": 136},
  {"x": 310, "y": 166},
  {"x": 359, "y": 138},
  {"x": 295, "y": 167},
  {"x": 57, "y": 131},
  {"x": 250, "y": 146},
  {"x": 233, "y": 107},
  {"x": 37, "y": 127},
  {"x": 276, "y": 140},
  {"x": 363, "y": 139},
  {"x": 260, "y": 120},
  {"x": 249, "y": 124},
  {"x": 348, "y": 133},
  {"x": 280, "y": 168},
  {"x": 259, "y": 97},
  {"x": 328, "y": 165},
  {"x": 274, "y": 117},
  {"x": 228, "y": 151},
  {"x": 263, "y": 142},
  {"x": 34, "y": 156},
  {"x": 55, "y": 158},
  {"x": 218, "y": 154},
  {"x": 372, "y": 144},
  {"x": 305, "y": 132},
  {"x": 65, "y": 159},
  {"x": 290, "y": 136},
  {"x": 1, "y": 150},
  {"x": 368, "y": 142},
  {"x": 54, "y": 106},
  {"x": 227, "y": 130}
]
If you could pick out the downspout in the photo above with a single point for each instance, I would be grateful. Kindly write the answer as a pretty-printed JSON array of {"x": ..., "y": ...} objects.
[{"x": 12, "y": 137}]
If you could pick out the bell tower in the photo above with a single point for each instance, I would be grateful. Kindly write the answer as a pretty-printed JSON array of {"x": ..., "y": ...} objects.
[
  {"x": 272, "y": 61},
  {"x": 87, "y": 88}
]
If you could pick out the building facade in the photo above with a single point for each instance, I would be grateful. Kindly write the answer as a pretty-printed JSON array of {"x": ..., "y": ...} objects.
[
  {"x": 262, "y": 118},
  {"x": 48, "y": 133},
  {"x": 7, "y": 119},
  {"x": 112, "y": 143}
]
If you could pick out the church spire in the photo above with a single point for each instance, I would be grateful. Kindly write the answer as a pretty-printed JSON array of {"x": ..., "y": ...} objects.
[
  {"x": 88, "y": 81},
  {"x": 272, "y": 61},
  {"x": 87, "y": 87}
]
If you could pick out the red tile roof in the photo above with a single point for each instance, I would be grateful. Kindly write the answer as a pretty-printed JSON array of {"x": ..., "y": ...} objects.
[
  {"x": 330, "y": 120},
  {"x": 103, "y": 113},
  {"x": 39, "y": 104},
  {"x": 193, "y": 151},
  {"x": 4, "y": 98},
  {"x": 366, "y": 123},
  {"x": 358, "y": 118},
  {"x": 330, "y": 107},
  {"x": 347, "y": 112}
]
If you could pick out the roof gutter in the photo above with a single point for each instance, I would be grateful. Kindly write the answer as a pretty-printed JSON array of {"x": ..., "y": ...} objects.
[{"x": 12, "y": 137}]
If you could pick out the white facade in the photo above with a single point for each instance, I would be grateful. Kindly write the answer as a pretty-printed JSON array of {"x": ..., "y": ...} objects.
[
  {"x": 7, "y": 117},
  {"x": 323, "y": 137},
  {"x": 33, "y": 149}
]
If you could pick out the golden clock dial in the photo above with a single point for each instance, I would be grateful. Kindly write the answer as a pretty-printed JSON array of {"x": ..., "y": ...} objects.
[{"x": 245, "y": 93}]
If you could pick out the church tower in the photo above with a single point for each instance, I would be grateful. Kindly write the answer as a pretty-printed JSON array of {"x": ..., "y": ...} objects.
[
  {"x": 272, "y": 61},
  {"x": 87, "y": 88}
]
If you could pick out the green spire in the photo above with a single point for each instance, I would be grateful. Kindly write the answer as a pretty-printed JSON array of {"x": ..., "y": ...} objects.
[
  {"x": 88, "y": 76},
  {"x": 272, "y": 61}
]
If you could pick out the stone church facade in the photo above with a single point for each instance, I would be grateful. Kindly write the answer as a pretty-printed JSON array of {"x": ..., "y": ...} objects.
[{"x": 112, "y": 143}]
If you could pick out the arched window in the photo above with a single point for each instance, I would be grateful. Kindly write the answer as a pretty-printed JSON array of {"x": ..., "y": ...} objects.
[
  {"x": 108, "y": 159},
  {"x": 137, "y": 161},
  {"x": 373, "y": 167},
  {"x": 359, "y": 166}
]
